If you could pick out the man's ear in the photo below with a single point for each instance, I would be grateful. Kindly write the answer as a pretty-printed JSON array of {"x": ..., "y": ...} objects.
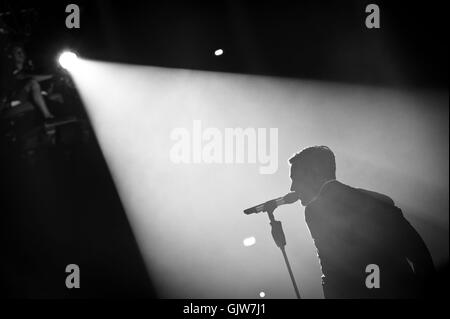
[{"x": 317, "y": 175}]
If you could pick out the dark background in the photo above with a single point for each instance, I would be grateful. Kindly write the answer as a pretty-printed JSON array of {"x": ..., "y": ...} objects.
[
  {"x": 67, "y": 210},
  {"x": 305, "y": 39}
]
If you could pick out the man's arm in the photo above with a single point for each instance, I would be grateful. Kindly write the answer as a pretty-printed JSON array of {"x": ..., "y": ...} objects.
[
  {"x": 416, "y": 250},
  {"x": 412, "y": 245}
]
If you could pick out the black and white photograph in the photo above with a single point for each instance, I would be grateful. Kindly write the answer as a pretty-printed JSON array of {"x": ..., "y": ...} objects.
[{"x": 224, "y": 154}]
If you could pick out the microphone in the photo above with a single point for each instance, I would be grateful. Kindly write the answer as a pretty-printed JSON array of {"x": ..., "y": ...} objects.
[{"x": 274, "y": 203}]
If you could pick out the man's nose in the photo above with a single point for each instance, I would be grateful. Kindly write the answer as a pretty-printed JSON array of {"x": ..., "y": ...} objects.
[{"x": 292, "y": 187}]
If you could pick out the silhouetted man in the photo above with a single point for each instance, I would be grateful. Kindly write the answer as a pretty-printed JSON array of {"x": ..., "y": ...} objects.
[{"x": 358, "y": 232}]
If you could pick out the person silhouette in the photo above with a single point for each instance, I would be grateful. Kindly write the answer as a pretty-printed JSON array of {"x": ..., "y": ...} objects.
[
  {"x": 23, "y": 87},
  {"x": 366, "y": 247}
]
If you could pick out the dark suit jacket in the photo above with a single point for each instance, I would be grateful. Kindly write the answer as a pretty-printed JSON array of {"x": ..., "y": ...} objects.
[{"x": 353, "y": 228}]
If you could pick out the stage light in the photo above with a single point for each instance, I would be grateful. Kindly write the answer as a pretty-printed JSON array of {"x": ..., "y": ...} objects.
[
  {"x": 68, "y": 59},
  {"x": 218, "y": 52}
]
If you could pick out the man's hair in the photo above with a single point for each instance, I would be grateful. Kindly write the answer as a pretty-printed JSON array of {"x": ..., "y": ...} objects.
[{"x": 320, "y": 157}]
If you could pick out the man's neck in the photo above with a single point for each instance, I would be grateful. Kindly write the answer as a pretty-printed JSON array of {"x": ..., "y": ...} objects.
[{"x": 325, "y": 183}]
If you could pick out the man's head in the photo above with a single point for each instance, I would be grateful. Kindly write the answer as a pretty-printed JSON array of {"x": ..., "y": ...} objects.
[{"x": 310, "y": 168}]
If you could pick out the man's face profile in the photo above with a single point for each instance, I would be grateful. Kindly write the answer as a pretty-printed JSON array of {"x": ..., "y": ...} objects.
[{"x": 303, "y": 183}]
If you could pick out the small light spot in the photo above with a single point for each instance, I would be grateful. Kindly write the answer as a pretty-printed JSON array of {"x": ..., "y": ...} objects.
[
  {"x": 262, "y": 294},
  {"x": 250, "y": 241},
  {"x": 218, "y": 52}
]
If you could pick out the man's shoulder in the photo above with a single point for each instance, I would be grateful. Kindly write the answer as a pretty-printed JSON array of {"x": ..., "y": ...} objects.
[
  {"x": 378, "y": 196},
  {"x": 339, "y": 192}
]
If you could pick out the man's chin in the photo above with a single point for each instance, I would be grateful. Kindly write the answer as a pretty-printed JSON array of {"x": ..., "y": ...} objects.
[{"x": 303, "y": 202}]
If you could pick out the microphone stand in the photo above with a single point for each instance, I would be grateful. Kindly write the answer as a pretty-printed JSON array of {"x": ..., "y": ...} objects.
[{"x": 280, "y": 241}]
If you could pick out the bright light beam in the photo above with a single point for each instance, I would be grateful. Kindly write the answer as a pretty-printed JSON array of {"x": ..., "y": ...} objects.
[
  {"x": 68, "y": 60},
  {"x": 187, "y": 218}
]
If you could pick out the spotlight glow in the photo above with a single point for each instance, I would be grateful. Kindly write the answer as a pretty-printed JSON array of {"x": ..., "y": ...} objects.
[
  {"x": 68, "y": 60},
  {"x": 218, "y": 52},
  {"x": 262, "y": 294},
  {"x": 187, "y": 218}
]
